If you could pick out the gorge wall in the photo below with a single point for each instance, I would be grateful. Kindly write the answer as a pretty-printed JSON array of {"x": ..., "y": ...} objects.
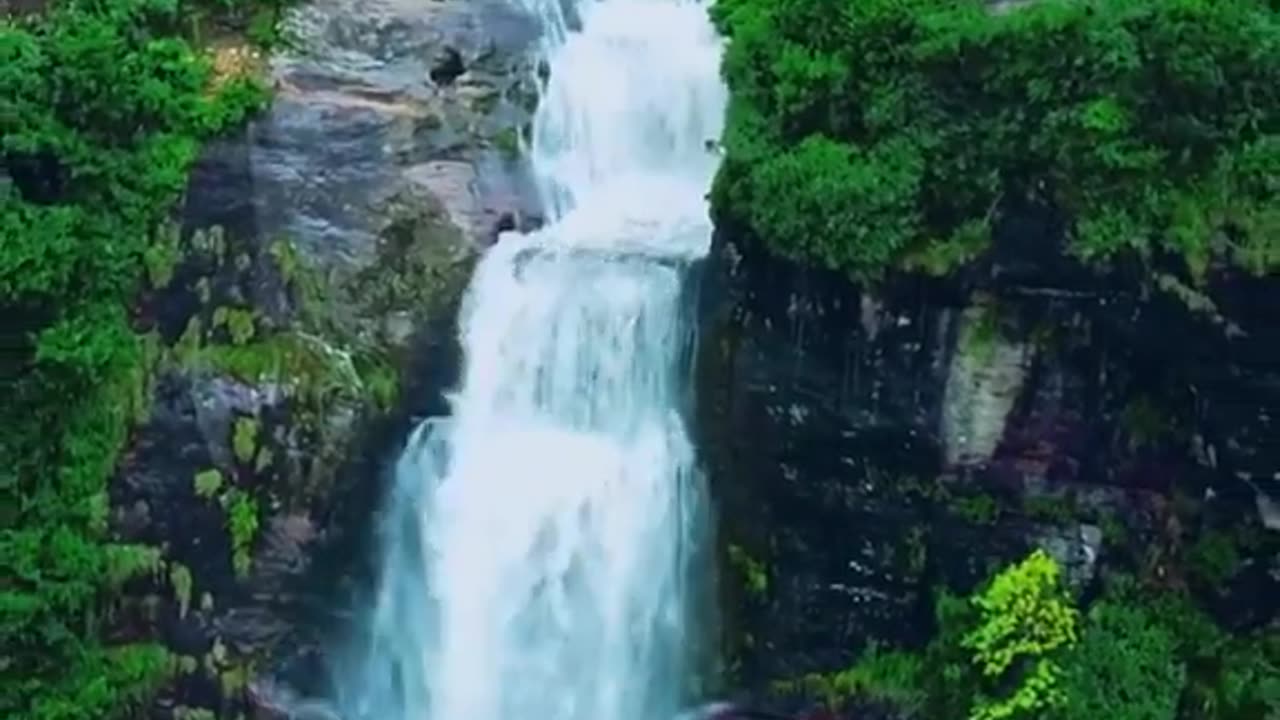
[{"x": 869, "y": 447}]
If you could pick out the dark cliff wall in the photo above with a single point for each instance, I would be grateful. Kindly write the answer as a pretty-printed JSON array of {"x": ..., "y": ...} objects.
[{"x": 868, "y": 447}]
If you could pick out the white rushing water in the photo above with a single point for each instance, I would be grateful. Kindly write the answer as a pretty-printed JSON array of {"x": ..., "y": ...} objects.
[{"x": 537, "y": 554}]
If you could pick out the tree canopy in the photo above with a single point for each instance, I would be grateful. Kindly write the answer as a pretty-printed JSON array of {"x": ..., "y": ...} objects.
[{"x": 865, "y": 135}]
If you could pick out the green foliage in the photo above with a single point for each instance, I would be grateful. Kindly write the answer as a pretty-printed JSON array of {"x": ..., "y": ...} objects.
[
  {"x": 125, "y": 562},
  {"x": 507, "y": 141},
  {"x": 314, "y": 370},
  {"x": 755, "y": 576},
  {"x": 242, "y": 525},
  {"x": 181, "y": 581},
  {"x": 286, "y": 259},
  {"x": 1229, "y": 677},
  {"x": 880, "y": 674},
  {"x": 244, "y": 438},
  {"x": 379, "y": 377},
  {"x": 187, "y": 664},
  {"x": 1025, "y": 618},
  {"x": 1125, "y": 668},
  {"x": 1213, "y": 559},
  {"x": 233, "y": 681},
  {"x": 161, "y": 255},
  {"x": 1241, "y": 680},
  {"x": 869, "y": 134},
  {"x": 980, "y": 336},
  {"x": 238, "y": 322},
  {"x": 1061, "y": 510},
  {"x": 103, "y": 107},
  {"x": 207, "y": 483},
  {"x": 980, "y": 509},
  {"x": 915, "y": 550},
  {"x": 117, "y": 677},
  {"x": 264, "y": 26},
  {"x": 997, "y": 654},
  {"x": 263, "y": 460}
]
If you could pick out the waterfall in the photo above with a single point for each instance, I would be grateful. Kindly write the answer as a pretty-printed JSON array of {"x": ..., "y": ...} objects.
[{"x": 538, "y": 541}]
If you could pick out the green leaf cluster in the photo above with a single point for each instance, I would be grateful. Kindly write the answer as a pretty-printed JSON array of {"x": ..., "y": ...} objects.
[
  {"x": 865, "y": 135},
  {"x": 1025, "y": 618},
  {"x": 242, "y": 526},
  {"x": 1018, "y": 648},
  {"x": 103, "y": 107},
  {"x": 1126, "y": 667}
]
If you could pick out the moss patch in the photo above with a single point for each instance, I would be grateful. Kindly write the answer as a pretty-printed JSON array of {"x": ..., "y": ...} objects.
[
  {"x": 754, "y": 574},
  {"x": 180, "y": 580},
  {"x": 242, "y": 526},
  {"x": 420, "y": 260},
  {"x": 244, "y": 439},
  {"x": 207, "y": 483}
]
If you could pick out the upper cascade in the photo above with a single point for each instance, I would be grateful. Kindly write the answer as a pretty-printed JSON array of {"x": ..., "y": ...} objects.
[{"x": 542, "y": 546}]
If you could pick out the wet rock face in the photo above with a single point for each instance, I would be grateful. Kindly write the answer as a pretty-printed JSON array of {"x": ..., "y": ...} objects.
[
  {"x": 867, "y": 448},
  {"x": 307, "y": 319},
  {"x": 383, "y": 98}
]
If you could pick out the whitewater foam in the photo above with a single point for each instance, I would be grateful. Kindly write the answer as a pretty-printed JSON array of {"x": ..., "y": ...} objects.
[{"x": 539, "y": 541}]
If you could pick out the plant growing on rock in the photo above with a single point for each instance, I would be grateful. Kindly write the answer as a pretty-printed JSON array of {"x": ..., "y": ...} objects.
[
  {"x": 103, "y": 107},
  {"x": 1126, "y": 667},
  {"x": 880, "y": 674},
  {"x": 1025, "y": 619},
  {"x": 244, "y": 438},
  {"x": 997, "y": 654},
  {"x": 238, "y": 322},
  {"x": 207, "y": 483},
  {"x": 181, "y": 581},
  {"x": 242, "y": 527},
  {"x": 754, "y": 574}
]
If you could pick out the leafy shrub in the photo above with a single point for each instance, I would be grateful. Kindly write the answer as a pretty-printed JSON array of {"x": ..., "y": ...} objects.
[
  {"x": 864, "y": 134},
  {"x": 242, "y": 526},
  {"x": 103, "y": 107},
  {"x": 1025, "y": 619},
  {"x": 1126, "y": 667}
]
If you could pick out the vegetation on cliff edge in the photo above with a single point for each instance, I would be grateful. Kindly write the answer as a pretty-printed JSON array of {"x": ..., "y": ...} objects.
[
  {"x": 866, "y": 135},
  {"x": 1018, "y": 648},
  {"x": 103, "y": 107}
]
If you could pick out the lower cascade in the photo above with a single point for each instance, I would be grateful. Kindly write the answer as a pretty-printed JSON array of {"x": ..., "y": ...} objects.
[{"x": 540, "y": 545}]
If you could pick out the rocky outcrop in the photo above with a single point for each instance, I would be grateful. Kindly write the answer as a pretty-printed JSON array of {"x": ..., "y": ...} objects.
[
  {"x": 869, "y": 446},
  {"x": 301, "y": 316}
]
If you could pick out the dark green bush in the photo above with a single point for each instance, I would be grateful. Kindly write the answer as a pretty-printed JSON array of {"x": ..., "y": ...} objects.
[
  {"x": 1126, "y": 667},
  {"x": 864, "y": 134}
]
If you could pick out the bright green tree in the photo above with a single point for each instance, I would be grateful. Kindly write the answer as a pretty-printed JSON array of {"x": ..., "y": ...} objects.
[{"x": 1025, "y": 620}]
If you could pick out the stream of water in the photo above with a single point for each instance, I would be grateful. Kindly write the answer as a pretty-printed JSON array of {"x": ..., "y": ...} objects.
[{"x": 539, "y": 557}]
